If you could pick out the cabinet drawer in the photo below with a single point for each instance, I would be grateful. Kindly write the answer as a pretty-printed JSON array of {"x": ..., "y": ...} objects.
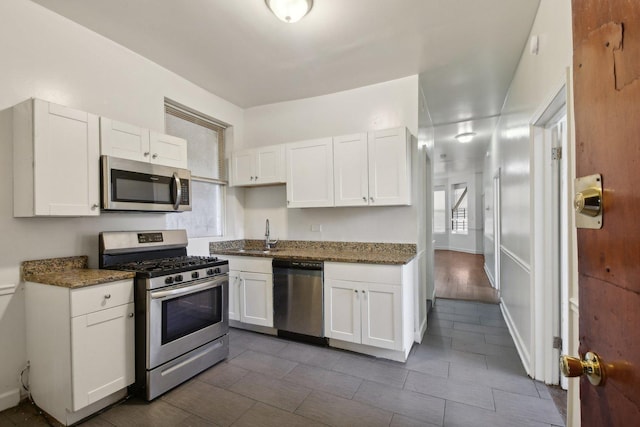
[
  {"x": 370, "y": 273},
  {"x": 100, "y": 297}
]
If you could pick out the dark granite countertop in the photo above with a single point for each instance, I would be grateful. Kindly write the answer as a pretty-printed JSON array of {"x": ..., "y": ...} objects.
[
  {"x": 69, "y": 272},
  {"x": 353, "y": 252}
]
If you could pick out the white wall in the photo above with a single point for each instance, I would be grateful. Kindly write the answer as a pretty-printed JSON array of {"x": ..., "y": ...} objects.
[
  {"x": 535, "y": 82},
  {"x": 385, "y": 105},
  {"x": 49, "y": 57}
]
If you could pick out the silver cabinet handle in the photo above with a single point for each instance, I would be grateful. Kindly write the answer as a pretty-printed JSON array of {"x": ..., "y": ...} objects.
[
  {"x": 371, "y": 199},
  {"x": 256, "y": 178},
  {"x": 94, "y": 206},
  {"x": 130, "y": 314},
  {"x": 155, "y": 156},
  {"x": 355, "y": 290},
  {"x": 250, "y": 178},
  {"x": 107, "y": 296},
  {"x": 146, "y": 153}
]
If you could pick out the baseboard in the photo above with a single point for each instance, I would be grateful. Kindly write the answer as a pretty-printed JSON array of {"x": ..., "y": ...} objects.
[
  {"x": 463, "y": 250},
  {"x": 9, "y": 399},
  {"x": 517, "y": 339},
  {"x": 490, "y": 277},
  {"x": 420, "y": 333}
]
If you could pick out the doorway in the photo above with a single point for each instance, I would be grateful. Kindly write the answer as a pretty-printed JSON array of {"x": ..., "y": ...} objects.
[{"x": 551, "y": 239}]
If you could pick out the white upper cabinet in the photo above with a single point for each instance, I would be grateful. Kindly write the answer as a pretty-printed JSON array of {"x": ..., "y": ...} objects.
[
  {"x": 259, "y": 166},
  {"x": 350, "y": 170},
  {"x": 389, "y": 154},
  {"x": 310, "y": 173},
  {"x": 55, "y": 161},
  {"x": 373, "y": 168},
  {"x": 127, "y": 141}
]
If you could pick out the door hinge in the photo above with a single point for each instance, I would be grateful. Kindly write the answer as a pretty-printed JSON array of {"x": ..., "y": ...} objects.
[
  {"x": 556, "y": 153},
  {"x": 557, "y": 343}
]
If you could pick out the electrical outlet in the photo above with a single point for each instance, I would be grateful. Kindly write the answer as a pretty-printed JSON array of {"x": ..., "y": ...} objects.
[{"x": 316, "y": 227}]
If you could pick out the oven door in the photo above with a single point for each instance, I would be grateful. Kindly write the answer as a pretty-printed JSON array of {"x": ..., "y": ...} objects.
[{"x": 182, "y": 318}]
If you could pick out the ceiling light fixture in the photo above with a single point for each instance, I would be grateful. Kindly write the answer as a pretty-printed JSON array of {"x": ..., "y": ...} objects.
[
  {"x": 289, "y": 11},
  {"x": 465, "y": 137}
]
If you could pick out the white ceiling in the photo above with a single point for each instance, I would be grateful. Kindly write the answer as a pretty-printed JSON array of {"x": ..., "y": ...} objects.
[{"x": 465, "y": 51}]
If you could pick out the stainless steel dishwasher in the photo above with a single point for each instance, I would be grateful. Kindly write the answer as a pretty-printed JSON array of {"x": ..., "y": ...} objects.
[{"x": 298, "y": 306}]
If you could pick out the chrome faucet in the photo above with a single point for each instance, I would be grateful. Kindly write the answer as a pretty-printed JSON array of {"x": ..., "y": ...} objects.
[{"x": 268, "y": 243}]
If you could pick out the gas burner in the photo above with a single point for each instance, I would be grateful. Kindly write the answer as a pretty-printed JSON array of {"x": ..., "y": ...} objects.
[{"x": 160, "y": 266}]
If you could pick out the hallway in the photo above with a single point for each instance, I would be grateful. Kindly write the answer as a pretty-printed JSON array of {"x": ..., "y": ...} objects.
[
  {"x": 461, "y": 276},
  {"x": 466, "y": 372}
]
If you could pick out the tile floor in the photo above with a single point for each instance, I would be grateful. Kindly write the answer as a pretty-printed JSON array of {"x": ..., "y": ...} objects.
[{"x": 465, "y": 373}]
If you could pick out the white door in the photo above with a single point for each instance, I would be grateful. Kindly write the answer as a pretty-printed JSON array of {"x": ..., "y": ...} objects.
[
  {"x": 381, "y": 315},
  {"x": 389, "y": 167},
  {"x": 350, "y": 170},
  {"x": 168, "y": 150},
  {"x": 66, "y": 156},
  {"x": 342, "y": 317},
  {"x": 310, "y": 173},
  {"x": 102, "y": 353},
  {"x": 257, "y": 299},
  {"x": 123, "y": 140}
]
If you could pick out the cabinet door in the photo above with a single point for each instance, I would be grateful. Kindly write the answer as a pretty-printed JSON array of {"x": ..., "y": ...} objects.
[
  {"x": 257, "y": 299},
  {"x": 389, "y": 167},
  {"x": 123, "y": 140},
  {"x": 234, "y": 295},
  {"x": 342, "y": 316},
  {"x": 168, "y": 150},
  {"x": 243, "y": 165},
  {"x": 270, "y": 165},
  {"x": 102, "y": 354},
  {"x": 310, "y": 173},
  {"x": 381, "y": 315},
  {"x": 66, "y": 159},
  {"x": 351, "y": 179}
]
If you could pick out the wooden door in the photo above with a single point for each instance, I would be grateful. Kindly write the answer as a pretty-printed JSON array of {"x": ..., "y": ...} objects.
[
  {"x": 606, "y": 37},
  {"x": 310, "y": 173},
  {"x": 342, "y": 310},
  {"x": 381, "y": 306},
  {"x": 257, "y": 299},
  {"x": 168, "y": 150},
  {"x": 270, "y": 165},
  {"x": 389, "y": 167}
]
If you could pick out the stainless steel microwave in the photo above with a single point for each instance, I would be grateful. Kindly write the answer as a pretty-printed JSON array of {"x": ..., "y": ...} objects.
[{"x": 129, "y": 185}]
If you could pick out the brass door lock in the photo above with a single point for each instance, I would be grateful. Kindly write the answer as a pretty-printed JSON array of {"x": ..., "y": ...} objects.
[
  {"x": 591, "y": 366},
  {"x": 588, "y": 202}
]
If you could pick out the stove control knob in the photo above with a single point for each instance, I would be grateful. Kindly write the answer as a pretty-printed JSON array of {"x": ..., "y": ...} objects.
[
  {"x": 178, "y": 278},
  {"x": 195, "y": 275},
  {"x": 210, "y": 272},
  {"x": 168, "y": 280},
  {"x": 216, "y": 271}
]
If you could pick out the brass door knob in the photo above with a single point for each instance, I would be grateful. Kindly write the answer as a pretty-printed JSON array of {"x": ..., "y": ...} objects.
[
  {"x": 591, "y": 366},
  {"x": 588, "y": 202}
]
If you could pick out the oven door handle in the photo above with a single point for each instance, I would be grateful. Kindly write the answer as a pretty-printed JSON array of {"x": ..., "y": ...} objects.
[{"x": 186, "y": 290}]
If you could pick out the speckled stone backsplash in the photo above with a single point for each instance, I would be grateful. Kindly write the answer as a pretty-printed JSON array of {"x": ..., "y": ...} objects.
[
  {"x": 399, "y": 248},
  {"x": 41, "y": 266}
]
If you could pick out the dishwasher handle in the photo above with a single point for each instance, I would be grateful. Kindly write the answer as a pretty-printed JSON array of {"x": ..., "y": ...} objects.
[{"x": 297, "y": 265}]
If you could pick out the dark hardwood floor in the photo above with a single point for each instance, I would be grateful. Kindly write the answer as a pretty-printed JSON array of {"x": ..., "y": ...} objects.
[{"x": 461, "y": 276}]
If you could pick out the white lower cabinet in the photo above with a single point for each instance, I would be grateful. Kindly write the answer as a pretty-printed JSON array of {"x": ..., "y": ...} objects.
[
  {"x": 251, "y": 290},
  {"x": 80, "y": 347},
  {"x": 369, "y": 305}
]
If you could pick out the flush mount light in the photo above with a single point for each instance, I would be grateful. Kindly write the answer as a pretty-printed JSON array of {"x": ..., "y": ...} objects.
[
  {"x": 289, "y": 11},
  {"x": 465, "y": 137}
]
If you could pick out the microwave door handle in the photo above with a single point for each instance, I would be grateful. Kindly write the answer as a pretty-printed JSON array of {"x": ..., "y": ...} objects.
[{"x": 178, "y": 191}]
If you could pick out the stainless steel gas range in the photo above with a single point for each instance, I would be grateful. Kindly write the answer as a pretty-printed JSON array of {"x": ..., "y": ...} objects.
[{"x": 181, "y": 303}]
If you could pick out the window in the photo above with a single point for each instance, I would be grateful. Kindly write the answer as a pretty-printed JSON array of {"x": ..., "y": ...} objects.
[
  {"x": 439, "y": 211},
  {"x": 459, "y": 211},
  {"x": 205, "y": 154}
]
